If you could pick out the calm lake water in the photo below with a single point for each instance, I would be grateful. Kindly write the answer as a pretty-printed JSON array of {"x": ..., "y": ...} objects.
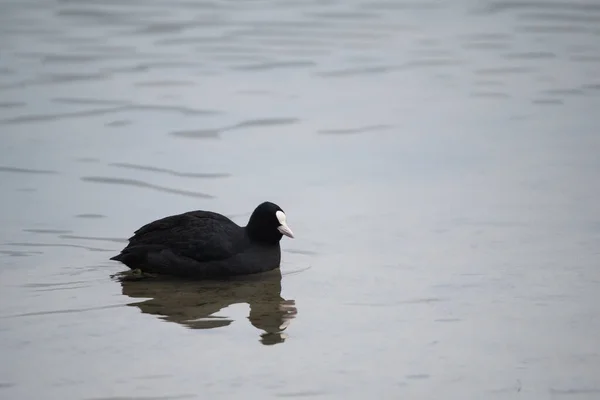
[{"x": 438, "y": 162}]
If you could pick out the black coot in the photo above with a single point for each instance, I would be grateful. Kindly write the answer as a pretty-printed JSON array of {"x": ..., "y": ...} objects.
[{"x": 204, "y": 244}]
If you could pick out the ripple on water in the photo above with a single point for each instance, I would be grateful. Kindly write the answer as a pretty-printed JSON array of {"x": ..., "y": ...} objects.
[
  {"x": 197, "y": 133},
  {"x": 162, "y": 28},
  {"x": 169, "y": 397},
  {"x": 88, "y": 12},
  {"x": 90, "y": 216},
  {"x": 64, "y": 311},
  {"x": 344, "y": 15},
  {"x": 164, "y": 83},
  {"x": 56, "y": 286},
  {"x": 486, "y": 41},
  {"x": 141, "y": 184},
  {"x": 548, "y": 102},
  {"x": 52, "y": 284},
  {"x": 488, "y": 83},
  {"x": 70, "y": 59},
  {"x": 448, "y": 320},
  {"x": 263, "y": 122},
  {"x": 16, "y": 253},
  {"x": 94, "y": 238},
  {"x": 575, "y": 391},
  {"x": 430, "y": 62},
  {"x": 88, "y": 101},
  {"x": 12, "y": 104},
  {"x": 419, "y": 301},
  {"x": 530, "y": 55},
  {"x": 87, "y": 159},
  {"x": 595, "y": 87},
  {"x": 512, "y": 5},
  {"x": 29, "y": 118},
  {"x": 585, "y": 58},
  {"x": 50, "y": 231},
  {"x": 564, "y": 92},
  {"x": 6, "y": 385},
  {"x": 190, "y": 40},
  {"x": 214, "y": 133},
  {"x": 490, "y": 95},
  {"x": 350, "y": 72},
  {"x": 418, "y": 376},
  {"x": 32, "y": 244},
  {"x": 105, "y": 111},
  {"x": 170, "y": 171},
  {"x": 27, "y": 171},
  {"x": 352, "y": 131},
  {"x": 551, "y": 29},
  {"x": 583, "y": 18},
  {"x": 303, "y": 252},
  {"x": 118, "y": 123},
  {"x": 54, "y": 78},
  {"x": 561, "y": 18},
  {"x": 504, "y": 71},
  {"x": 268, "y": 66},
  {"x": 301, "y": 394}
]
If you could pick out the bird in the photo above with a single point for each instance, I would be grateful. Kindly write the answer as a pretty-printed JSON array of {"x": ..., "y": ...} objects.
[{"x": 206, "y": 245}]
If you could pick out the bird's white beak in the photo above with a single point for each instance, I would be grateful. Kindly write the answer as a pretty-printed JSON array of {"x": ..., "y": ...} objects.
[{"x": 285, "y": 230}]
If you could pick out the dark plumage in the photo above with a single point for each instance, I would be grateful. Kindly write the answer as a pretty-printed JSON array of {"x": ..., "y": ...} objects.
[{"x": 204, "y": 244}]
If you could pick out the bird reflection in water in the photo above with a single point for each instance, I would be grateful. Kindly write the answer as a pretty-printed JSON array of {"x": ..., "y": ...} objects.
[{"x": 193, "y": 303}]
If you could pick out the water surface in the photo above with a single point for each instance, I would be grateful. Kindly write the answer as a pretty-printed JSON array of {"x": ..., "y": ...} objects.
[{"x": 438, "y": 162}]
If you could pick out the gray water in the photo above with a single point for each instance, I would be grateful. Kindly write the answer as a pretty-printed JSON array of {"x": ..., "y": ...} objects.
[{"x": 438, "y": 162}]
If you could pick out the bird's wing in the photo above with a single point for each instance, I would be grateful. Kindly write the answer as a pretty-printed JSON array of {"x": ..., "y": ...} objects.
[{"x": 200, "y": 235}]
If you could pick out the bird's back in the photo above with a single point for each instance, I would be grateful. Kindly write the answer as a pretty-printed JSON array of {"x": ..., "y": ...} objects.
[{"x": 199, "y": 235}]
